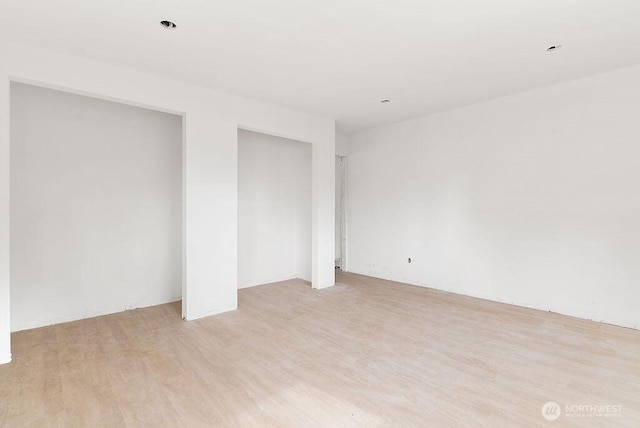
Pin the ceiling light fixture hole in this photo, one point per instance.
(168, 24)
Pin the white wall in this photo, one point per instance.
(340, 195)
(96, 201)
(341, 144)
(274, 209)
(340, 223)
(529, 199)
(5, 312)
(303, 204)
(210, 163)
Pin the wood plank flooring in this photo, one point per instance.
(365, 353)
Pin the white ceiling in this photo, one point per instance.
(339, 58)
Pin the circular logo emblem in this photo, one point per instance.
(551, 410)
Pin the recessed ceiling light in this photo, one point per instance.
(168, 24)
(385, 101)
(553, 48)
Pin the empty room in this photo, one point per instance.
(320, 214)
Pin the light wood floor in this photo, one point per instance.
(366, 352)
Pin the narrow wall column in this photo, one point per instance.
(323, 214)
(5, 327)
(210, 199)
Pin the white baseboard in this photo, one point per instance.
(205, 314)
(86, 315)
(5, 359)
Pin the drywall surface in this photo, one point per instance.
(341, 144)
(274, 209)
(529, 199)
(210, 167)
(96, 202)
(5, 309)
(303, 204)
(340, 195)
